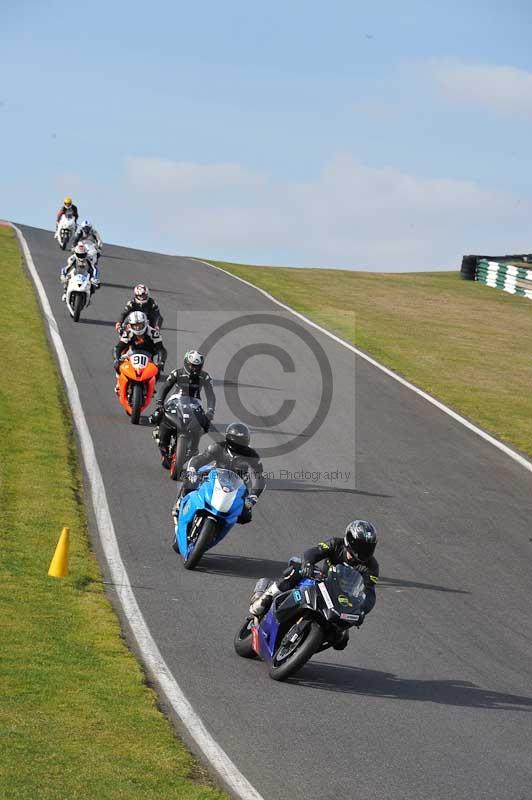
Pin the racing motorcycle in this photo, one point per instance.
(207, 514)
(136, 382)
(65, 229)
(184, 415)
(78, 292)
(306, 620)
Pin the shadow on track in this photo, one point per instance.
(239, 385)
(386, 685)
(111, 324)
(278, 485)
(388, 583)
(241, 566)
(129, 286)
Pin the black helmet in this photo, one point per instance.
(237, 434)
(360, 539)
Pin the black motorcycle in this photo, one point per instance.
(186, 417)
(306, 620)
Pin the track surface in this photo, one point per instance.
(433, 697)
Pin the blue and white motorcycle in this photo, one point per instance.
(207, 514)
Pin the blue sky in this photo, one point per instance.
(395, 136)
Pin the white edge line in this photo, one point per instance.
(151, 655)
(524, 462)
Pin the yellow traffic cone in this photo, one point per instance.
(59, 564)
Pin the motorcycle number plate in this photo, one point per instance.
(139, 360)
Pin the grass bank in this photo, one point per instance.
(77, 718)
(466, 344)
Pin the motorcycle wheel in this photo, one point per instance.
(208, 529)
(286, 661)
(242, 641)
(79, 302)
(63, 244)
(136, 403)
(178, 458)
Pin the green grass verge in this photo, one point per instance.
(77, 718)
(464, 343)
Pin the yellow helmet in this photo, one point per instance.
(67, 201)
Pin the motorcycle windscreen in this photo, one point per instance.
(225, 491)
(345, 589)
(182, 407)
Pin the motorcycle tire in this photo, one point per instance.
(178, 458)
(205, 537)
(242, 642)
(308, 645)
(136, 403)
(79, 302)
(63, 244)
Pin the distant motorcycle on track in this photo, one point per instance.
(136, 382)
(79, 290)
(65, 229)
(186, 418)
(207, 514)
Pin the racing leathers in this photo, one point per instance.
(67, 210)
(190, 384)
(150, 308)
(333, 551)
(243, 460)
(150, 342)
(92, 236)
(86, 264)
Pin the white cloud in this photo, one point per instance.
(502, 89)
(349, 216)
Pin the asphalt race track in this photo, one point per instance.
(433, 697)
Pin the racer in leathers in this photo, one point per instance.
(68, 206)
(190, 379)
(87, 232)
(233, 453)
(136, 334)
(355, 549)
(141, 301)
(79, 259)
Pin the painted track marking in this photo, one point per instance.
(215, 755)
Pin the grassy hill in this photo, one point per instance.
(464, 343)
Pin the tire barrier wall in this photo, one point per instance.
(512, 278)
(470, 263)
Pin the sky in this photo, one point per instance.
(383, 136)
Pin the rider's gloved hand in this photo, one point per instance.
(210, 414)
(307, 570)
(157, 414)
(118, 327)
(251, 500)
(192, 475)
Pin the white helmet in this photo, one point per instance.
(141, 293)
(193, 362)
(138, 322)
(85, 225)
(80, 251)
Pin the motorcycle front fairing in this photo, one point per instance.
(337, 600)
(182, 412)
(285, 610)
(220, 496)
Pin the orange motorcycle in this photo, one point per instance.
(136, 382)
